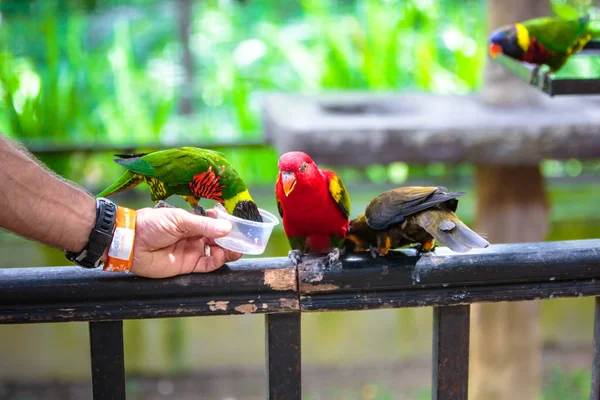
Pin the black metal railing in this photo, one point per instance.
(447, 281)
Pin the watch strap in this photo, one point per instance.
(100, 237)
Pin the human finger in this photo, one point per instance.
(212, 213)
(196, 225)
(214, 258)
(230, 255)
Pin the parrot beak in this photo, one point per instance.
(288, 179)
(495, 49)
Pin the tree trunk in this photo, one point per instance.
(505, 339)
(511, 207)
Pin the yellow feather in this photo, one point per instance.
(230, 203)
(335, 189)
(523, 37)
(581, 42)
(157, 187)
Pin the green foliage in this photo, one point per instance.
(99, 71)
(571, 9)
(239, 50)
(66, 93)
(41, 104)
(367, 44)
(567, 385)
(367, 391)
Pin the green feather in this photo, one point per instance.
(171, 171)
(557, 34)
(176, 167)
(126, 181)
(298, 243)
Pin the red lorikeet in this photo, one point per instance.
(314, 206)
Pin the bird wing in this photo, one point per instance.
(557, 34)
(395, 205)
(174, 166)
(338, 192)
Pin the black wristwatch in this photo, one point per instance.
(100, 238)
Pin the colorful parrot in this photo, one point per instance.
(403, 216)
(542, 41)
(314, 206)
(190, 172)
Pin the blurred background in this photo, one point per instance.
(82, 79)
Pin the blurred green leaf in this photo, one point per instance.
(571, 9)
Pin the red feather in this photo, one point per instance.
(536, 53)
(207, 185)
(309, 210)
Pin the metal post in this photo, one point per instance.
(451, 352)
(284, 366)
(108, 365)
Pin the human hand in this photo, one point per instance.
(171, 241)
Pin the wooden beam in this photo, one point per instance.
(360, 129)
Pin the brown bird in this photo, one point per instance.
(403, 216)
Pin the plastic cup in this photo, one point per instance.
(247, 237)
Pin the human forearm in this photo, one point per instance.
(39, 205)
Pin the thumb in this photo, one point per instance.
(197, 225)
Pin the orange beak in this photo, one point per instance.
(495, 49)
(288, 179)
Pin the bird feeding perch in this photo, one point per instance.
(556, 84)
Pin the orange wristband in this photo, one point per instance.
(120, 253)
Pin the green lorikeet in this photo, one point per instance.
(314, 206)
(190, 172)
(403, 216)
(542, 41)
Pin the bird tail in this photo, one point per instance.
(131, 155)
(450, 231)
(126, 181)
(591, 26)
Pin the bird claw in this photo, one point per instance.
(163, 204)
(295, 256)
(198, 209)
(374, 252)
(334, 256)
(422, 252)
(546, 79)
(534, 75)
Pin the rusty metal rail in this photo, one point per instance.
(447, 281)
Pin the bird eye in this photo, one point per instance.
(303, 167)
